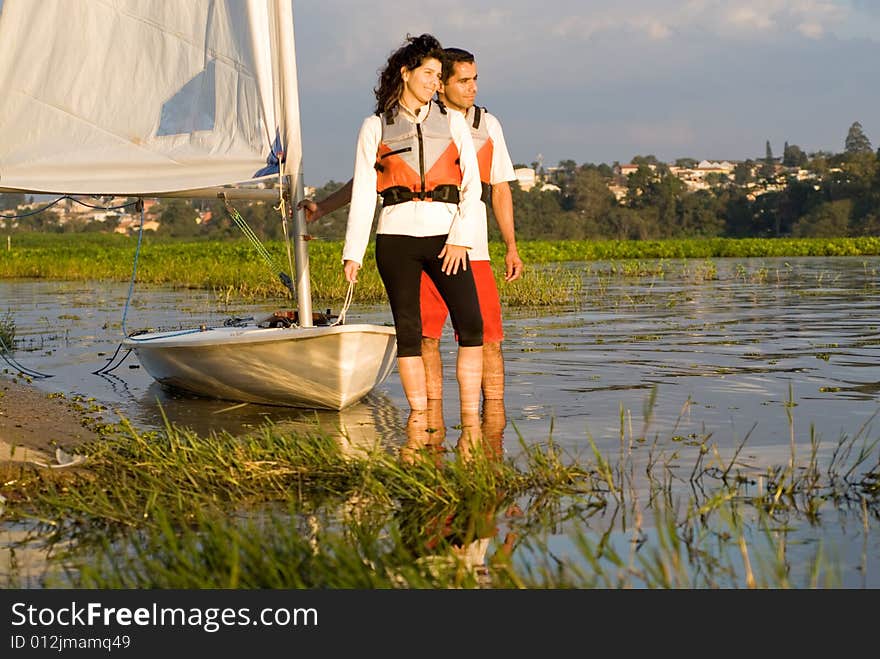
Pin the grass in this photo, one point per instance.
(172, 509)
(7, 332)
(233, 268)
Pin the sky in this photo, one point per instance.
(601, 82)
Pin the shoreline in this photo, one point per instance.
(33, 423)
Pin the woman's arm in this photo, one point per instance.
(363, 192)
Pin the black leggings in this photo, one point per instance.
(401, 260)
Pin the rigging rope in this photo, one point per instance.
(349, 295)
(282, 206)
(6, 350)
(261, 249)
(140, 207)
(60, 199)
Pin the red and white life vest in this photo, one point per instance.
(417, 161)
(484, 146)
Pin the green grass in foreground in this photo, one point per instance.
(172, 509)
(233, 267)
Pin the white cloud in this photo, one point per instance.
(811, 30)
(600, 81)
(748, 19)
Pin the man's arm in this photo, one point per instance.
(317, 209)
(502, 200)
(502, 206)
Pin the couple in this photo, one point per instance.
(435, 164)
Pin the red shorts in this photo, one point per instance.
(434, 311)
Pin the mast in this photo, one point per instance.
(292, 162)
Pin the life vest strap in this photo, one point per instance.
(477, 113)
(399, 194)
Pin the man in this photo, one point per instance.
(458, 92)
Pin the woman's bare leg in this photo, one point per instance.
(412, 377)
(469, 372)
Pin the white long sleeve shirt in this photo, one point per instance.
(500, 172)
(412, 218)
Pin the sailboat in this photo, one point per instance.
(195, 99)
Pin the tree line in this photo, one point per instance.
(763, 198)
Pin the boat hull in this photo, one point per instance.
(328, 367)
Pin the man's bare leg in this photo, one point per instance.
(433, 368)
(493, 371)
(488, 443)
(494, 422)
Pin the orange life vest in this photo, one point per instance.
(484, 146)
(417, 161)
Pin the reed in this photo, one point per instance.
(7, 332)
(234, 268)
(271, 509)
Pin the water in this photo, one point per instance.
(777, 352)
(724, 355)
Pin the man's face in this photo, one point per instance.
(460, 91)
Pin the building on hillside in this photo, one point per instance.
(630, 168)
(526, 178)
(129, 224)
(619, 191)
(706, 174)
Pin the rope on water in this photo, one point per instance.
(109, 366)
(6, 352)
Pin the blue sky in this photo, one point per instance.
(594, 81)
(601, 82)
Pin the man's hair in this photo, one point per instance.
(451, 57)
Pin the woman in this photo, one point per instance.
(421, 160)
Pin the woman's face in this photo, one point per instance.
(421, 83)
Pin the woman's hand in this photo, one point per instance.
(454, 257)
(351, 271)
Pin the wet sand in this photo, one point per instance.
(33, 424)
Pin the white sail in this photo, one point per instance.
(143, 97)
(152, 98)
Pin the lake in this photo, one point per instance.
(776, 353)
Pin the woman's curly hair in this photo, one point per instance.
(410, 55)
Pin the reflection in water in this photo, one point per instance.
(425, 434)
(371, 424)
(459, 528)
